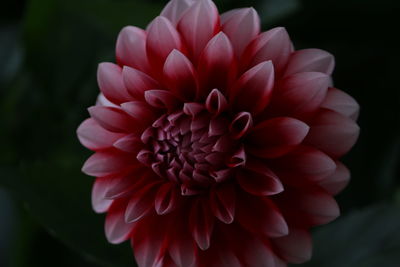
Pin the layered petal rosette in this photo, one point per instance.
(216, 144)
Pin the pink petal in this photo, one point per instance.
(216, 102)
(95, 137)
(268, 220)
(131, 48)
(129, 143)
(241, 28)
(332, 133)
(109, 78)
(296, 247)
(338, 180)
(117, 231)
(180, 76)
(106, 163)
(216, 64)
(223, 203)
(99, 203)
(141, 203)
(124, 183)
(161, 99)
(300, 94)
(166, 199)
(342, 103)
(103, 101)
(138, 82)
(260, 184)
(140, 111)
(162, 38)
(112, 119)
(274, 45)
(240, 125)
(253, 91)
(198, 25)
(310, 60)
(175, 9)
(276, 137)
(181, 248)
(192, 108)
(201, 223)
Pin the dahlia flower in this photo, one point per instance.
(216, 144)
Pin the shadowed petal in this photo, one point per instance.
(338, 180)
(201, 223)
(240, 125)
(223, 203)
(105, 163)
(138, 82)
(310, 60)
(260, 184)
(296, 247)
(216, 102)
(109, 78)
(342, 103)
(99, 203)
(166, 198)
(117, 230)
(161, 99)
(141, 203)
(130, 143)
(112, 119)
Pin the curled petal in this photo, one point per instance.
(260, 184)
(240, 125)
(216, 102)
(310, 60)
(296, 247)
(238, 158)
(198, 25)
(333, 133)
(241, 26)
(254, 89)
(138, 82)
(131, 48)
(117, 230)
(140, 203)
(216, 64)
(342, 103)
(105, 163)
(274, 45)
(276, 137)
(180, 75)
(166, 199)
(223, 203)
(338, 180)
(300, 94)
(95, 137)
(201, 223)
(161, 99)
(112, 119)
(109, 78)
(175, 9)
(162, 38)
(99, 202)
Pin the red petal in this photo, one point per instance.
(166, 199)
(274, 45)
(129, 143)
(112, 119)
(175, 9)
(223, 203)
(338, 180)
(201, 223)
(333, 133)
(95, 137)
(254, 89)
(138, 82)
(264, 183)
(161, 99)
(131, 48)
(124, 183)
(216, 64)
(181, 248)
(342, 103)
(141, 203)
(241, 27)
(109, 78)
(296, 247)
(117, 230)
(140, 111)
(310, 60)
(162, 38)
(300, 94)
(198, 25)
(276, 137)
(106, 163)
(180, 76)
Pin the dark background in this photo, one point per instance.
(49, 51)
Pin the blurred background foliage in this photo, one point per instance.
(49, 51)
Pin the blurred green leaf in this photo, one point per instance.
(365, 238)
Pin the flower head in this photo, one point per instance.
(216, 144)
